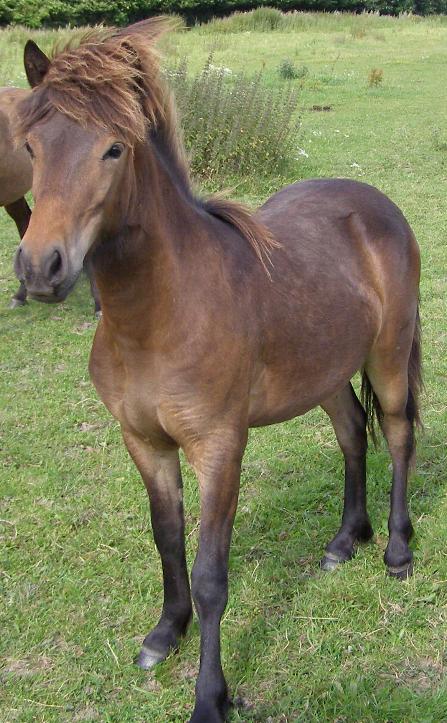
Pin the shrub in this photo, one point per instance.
(289, 71)
(234, 124)
(266, 19)
(389, 7)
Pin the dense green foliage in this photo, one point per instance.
(36, 13)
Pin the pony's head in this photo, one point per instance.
(91, 106)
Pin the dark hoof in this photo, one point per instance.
(148, 658)
(331, 562)
(402, 572)
(15, 303)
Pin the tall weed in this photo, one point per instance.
(234, 124)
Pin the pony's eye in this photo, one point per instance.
(114, 151)
(29, 149)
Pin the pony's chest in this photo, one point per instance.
(129, 388)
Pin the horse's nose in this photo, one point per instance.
(42, 272)
(54, 267)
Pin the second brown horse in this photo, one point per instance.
(16, 172)
(209, 325)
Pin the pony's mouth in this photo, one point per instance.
(56, 295)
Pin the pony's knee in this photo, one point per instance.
(209, 588)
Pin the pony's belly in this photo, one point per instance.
(281, 394)
(279, 403)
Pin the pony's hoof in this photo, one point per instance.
(148, 658)
(206, 717)
(331, 562)
(15, 303)
(210, 714)
(402, 572)
(98, 314)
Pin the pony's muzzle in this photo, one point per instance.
(44, 274)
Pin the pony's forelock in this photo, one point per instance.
(106, 77)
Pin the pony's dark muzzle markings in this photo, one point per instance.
(215, 321)
(45, 275)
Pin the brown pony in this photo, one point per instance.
(215, 321)
(16, 177)
(16, 173)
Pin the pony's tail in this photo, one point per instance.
(415, 379)
(370, 401)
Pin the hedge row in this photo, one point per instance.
(37, 13)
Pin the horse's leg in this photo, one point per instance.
(160, 471)
(88, 268)
(20, 212)
(219, 474)
(390, 384)
(394, 371)
(349, 421)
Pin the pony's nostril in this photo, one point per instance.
(54, 269)
(55, 264)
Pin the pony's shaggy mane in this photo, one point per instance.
(111, 78)
(106, 77)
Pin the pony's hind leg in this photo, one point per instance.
(391, 390)
(394, 375)
(20, 212)
(349, 421)
(160, 470)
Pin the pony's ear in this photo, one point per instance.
(36, 63)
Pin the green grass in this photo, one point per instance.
(80, 577)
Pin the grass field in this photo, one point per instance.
(80, 576)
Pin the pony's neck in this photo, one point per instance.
(136, 264)
(162, 179)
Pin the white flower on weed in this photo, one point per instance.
(355, 165)
(302, 152)
(220, 69)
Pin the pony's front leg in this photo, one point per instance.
(20, 212)
(219, 473)
(160, 470)
(88, 268)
